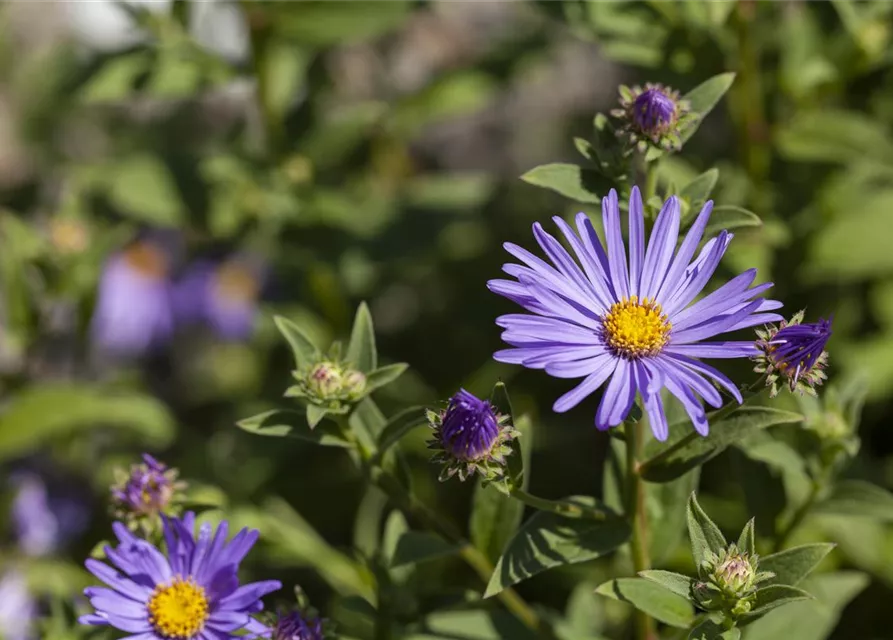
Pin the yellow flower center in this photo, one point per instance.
(635, 329)
(178, 610)
(147, 259)
(236, 282)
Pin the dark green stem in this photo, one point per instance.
(562, 508)
(638, 517)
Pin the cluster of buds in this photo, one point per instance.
(654, 116)
(302, 623)
(470, 437)
(793, 354)
(728, 582)
(329, 384)
(147, 491)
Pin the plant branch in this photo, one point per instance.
(562, 507)
(638, 517)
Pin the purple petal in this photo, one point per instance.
(249, 593)
(731, 293)
(597, 277)
(710, 372)
(618, 397)
(616, 251)
(713, 327)
(565, 264)
(686, 251)
(690, 402)
(594, 248)
(577, 368)
(649, 380)
(592, 382)
(661, 245)
(636, 240)
(730, 349)
(697, 275)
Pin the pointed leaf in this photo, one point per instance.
(293, 424)
(548, 540)
(746, 540)
(703, 98)
(315, 414)
(812, 619)
(361, 352)
(728, 217)
(792, 565)
(698, 191)
(675, 582)
(495, 517)
(384, 375)
(772, 597)
(712, 630)
(420, 546)
(499, 398)
(569, 180)
(684, 449)
(400, 425)
(858, 498)
(303, 349)
(652, 598)
(704, 534)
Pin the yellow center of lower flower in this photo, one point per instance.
(236, 282)
(147, 260)
(635, 329)
(178, 610)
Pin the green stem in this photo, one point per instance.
(468, 552)
(562, 508)
(797, 519)
(636, 512)
(259, 30)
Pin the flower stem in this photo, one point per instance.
(561, 507)
(638, 517)
(468, 552)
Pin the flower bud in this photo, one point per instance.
(794, 354)
(735, 574)
(470, 437)
(325, 380)
(147, 491)
(353, 384)
(297, 626)
(653, 115)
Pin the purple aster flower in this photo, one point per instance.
(795, 351)
(45, 517)
(223, 295)
(654, 110)
(133, 310)
(191, 592)
(147, 490)
(18, 608)
(297, 626)
(471, 437)
(632, 323)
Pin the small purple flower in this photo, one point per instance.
(133, 309)
(794, 351)
(147, 490)
(654, 110)
(191, 592)
(634, 324)
(470, 437)
(297, 626)
(18, 608)
(223, 295)
(45, 518)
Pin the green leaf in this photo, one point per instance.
(143, 188)
(495, 517)
(49, 411)
(303, 349)
(811, 619)
(704, 534)
(400, 425)
(772, 597)
(666, 502)
(569, 180)
(698, 191)
(858, 498)
(321, 23)
(115, 79)
(361, 352)
(516, 461)
(652, 598)
(547, 540)
(315, 414)
(746, 540)
(712, 630)
(793, 565)
(833, 135)
(675, 582)
(684, 449)
(420, 546)
(728, 217)
(703, 98)
(292, 424)
(384, 375)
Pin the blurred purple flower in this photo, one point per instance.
(148, 489)
(45, 518)
(224, 295)
(17, 607)
(297, 626)
(133, 310)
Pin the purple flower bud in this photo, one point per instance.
(654, 115)
(797, 348)
(469, 427)
(295, 626)
(133, 307)
(148, 490)
(654, 111)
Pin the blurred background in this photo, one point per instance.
(172, 174)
